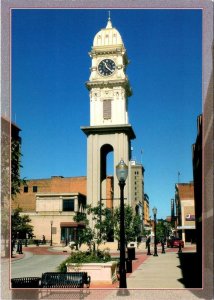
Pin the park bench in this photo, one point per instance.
(26, 282)
(65, 280)
(53, 280)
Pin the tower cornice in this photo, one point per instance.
(123, 128)
(110, 83)
(102, 51)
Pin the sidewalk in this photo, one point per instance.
(157, 272)
(148, 271)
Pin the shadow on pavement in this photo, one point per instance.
(191, 266)
(34, 294)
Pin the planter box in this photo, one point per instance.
(99, 272)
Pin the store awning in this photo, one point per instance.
(72, 224)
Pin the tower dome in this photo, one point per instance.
(108, 36)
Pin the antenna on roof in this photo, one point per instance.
(179, 176)
(109, 15)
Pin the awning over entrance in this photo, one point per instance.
(72, 224)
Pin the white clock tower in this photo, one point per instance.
(109, 129)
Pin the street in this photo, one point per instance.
(35, 265)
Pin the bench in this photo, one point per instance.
(65, 280)
(26, 282)
(53, 280)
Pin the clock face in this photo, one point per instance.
(106, 67)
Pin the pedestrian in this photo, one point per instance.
(162, 244)
(148, 240)
(20, 247)
(43, 239)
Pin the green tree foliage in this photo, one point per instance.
(20, 225)
(104, 223)
(86, 235)
(162, 230)
(15, 168)
(107, 225)
(132, 224)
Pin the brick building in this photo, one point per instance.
(185, 211)
(52, 204)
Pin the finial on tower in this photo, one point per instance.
(109, 24)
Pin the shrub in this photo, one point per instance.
(80, 257)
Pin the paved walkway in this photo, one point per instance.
(160, 271)
(148, 272)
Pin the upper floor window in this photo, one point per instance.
(25, 189)
(35, 189)
(68, 205)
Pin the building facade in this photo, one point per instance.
(185, 211)
(146, 215)
(52, 204)
(137, 188)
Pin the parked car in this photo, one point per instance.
(175, 242)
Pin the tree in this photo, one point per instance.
(15, 168)
(162, 230)
(85, 235)
(20, 226)
(107, 225)
(132, 224)
(104, 223)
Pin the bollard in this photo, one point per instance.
(180, 250)
(128, 265)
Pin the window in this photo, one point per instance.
(25, 189)
(107, 109)
(68, 205)
(35, 188)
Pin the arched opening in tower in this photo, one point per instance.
(107, 175)
(107, 181)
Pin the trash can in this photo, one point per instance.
(128, 265)
(131, 253)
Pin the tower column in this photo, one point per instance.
(109, 130)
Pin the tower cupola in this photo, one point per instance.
(108, 36)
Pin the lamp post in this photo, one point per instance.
(51, 233)
(154, 210)
(122, 173)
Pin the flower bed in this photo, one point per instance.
(99, 272)
(99, 265)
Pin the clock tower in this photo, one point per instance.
(109, 129)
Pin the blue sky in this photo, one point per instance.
(50, 65)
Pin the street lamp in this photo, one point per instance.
(51, 232)
(154, 210)
(122, 173)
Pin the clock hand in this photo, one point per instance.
(107, 66)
